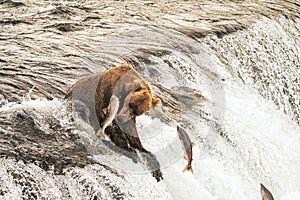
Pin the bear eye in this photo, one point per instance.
(138, 88)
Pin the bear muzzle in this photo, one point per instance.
(124, 115)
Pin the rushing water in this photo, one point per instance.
(245, 125)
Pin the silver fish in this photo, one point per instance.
(265, 193)
(112, 110)
(187, 147)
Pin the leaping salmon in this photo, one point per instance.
(112, 110)
(265, 193)
(187, 147)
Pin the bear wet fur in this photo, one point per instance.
(134, 93)
(91, 96)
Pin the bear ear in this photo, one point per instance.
(155, 102)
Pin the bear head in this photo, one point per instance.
(137, 101)
(135, 95)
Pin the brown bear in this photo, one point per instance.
(92, 96)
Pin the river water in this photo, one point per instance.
(245, 125)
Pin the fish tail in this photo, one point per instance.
(188, 168)
(100, 132)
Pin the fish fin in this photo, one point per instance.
(102, 134)
(188, 168)
(193, 144)
(185, 157)
(105, 110)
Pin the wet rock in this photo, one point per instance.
(60, 10)
(13, 21)
(65, 27)
(23, 138)
(22, 115)
(12, 3)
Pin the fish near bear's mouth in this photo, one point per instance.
(126, 113)
(123, 118)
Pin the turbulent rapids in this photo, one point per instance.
(226, 71)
